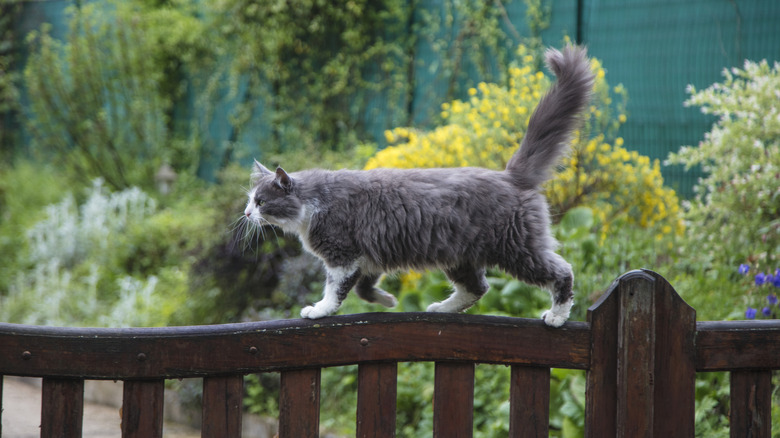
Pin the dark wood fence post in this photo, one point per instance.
(751, 403)
(453, 400)
(642, 376)
(377, 398)
(222, 406)
(142, 408)
(529, 406)
(299, 403)
(62, 407)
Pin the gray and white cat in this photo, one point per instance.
(362, 224)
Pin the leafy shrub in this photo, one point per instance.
(735, 215)
(24, 189)
(72, 280)
(103, 98)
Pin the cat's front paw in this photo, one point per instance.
(315, 312)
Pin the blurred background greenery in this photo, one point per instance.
(100, 100)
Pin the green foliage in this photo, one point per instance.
(314, 72)
(111, 258)
(101, 101)
(71, 280)
(712, 405)
(24, 189)
(735, 216)
(9, 78)
(312, 64)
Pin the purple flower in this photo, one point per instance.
(743, 269)
(772, 299)
(750, 313)
(766, 311)
(760, 279)
(776, 282)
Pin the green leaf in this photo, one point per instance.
(579, 218)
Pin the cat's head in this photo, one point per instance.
(273, 199)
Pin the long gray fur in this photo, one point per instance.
(460, 220)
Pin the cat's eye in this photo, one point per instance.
(259, 202)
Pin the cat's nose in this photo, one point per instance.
(248, 213)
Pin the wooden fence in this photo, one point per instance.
(641, 347)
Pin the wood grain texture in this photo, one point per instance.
(737, 345)
(642, 376)
(299, 404)
(529, 402)
(62, 408)
(177, 352)
(751, 404)
(453, 400)
(223, 402)
(142, 408)
(377, 398)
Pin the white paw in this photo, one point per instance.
(440, 308)
(316, 311)
(553, 319)
(385, 299)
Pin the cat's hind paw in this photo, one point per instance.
(438, 307)
(558, 314)
(552, 319)
(316, 312)
(384, 298)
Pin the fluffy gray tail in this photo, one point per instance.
(555, 118)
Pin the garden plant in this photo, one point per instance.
(87, 239)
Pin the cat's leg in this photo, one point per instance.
(562, 300)
(367, 290)
(470, 284)
(555, 274)
(338, 282)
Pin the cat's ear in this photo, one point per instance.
(259, 171)
(283, 180)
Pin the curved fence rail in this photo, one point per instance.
(641, 348)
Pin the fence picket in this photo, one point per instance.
(142, 408)
(529, 402)
(453, 400)
(222, 406)
(377, 396)
(62, 408)
(299, 403)
(1, 404)
(751, 404)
